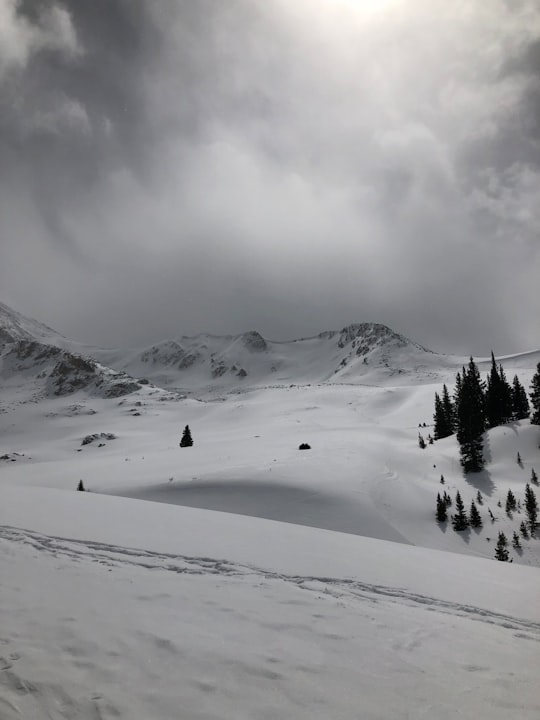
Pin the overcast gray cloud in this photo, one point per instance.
(173, 167)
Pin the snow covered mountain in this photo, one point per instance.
(36, 359)
(367, 353)
(15, 327)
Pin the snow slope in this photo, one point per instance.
(140, 614)
(15, 327)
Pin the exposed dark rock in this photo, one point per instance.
(254, 341)
(98, 436)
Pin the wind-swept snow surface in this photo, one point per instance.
(250, 619)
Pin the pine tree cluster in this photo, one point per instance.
(479, 405)
(461, 521)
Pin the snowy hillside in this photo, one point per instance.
(242, 577)
(15, 327)
(37, 362)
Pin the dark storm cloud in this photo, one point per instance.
(205, 166)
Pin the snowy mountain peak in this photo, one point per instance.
(365, 336)
(15, 327)
(254, 341)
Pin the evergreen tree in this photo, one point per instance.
(498, 398)
(518, 459)
(441, 513)
(506, 397)
(511, 503)
(448, 409)
(442, 479)
(531, 508)
(515, 541)
(492, 400)
(80, 486)
(457, 395)
(520, 401)
(479, 498)
(187, 440)
(534, 477)
(459, 520)
(421, 442)
(442, 420)
(523, 530)
(470, 417)
(447, 499)
(501, 551)
(475, 519)
(535, 397)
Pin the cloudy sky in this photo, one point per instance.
(176, 166)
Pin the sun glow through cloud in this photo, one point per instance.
(368, 7)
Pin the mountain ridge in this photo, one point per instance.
(367, 353)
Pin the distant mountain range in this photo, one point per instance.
(367, 353)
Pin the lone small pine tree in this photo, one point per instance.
(421, 442)
(523, 530)
(80, 486)
(515, 541)
(534, 477)
(187, 440)
(479, 498)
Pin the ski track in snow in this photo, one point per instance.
(115, 556)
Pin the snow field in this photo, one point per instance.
(236, 617)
